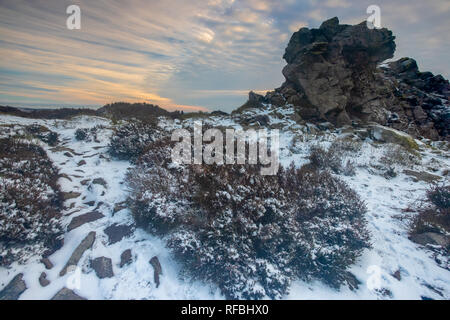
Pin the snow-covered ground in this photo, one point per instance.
(387, 223)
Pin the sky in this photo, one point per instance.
(189, 55)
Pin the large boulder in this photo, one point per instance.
(335, 74)
(334, 67)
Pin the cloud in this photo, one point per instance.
(191, 54)
(337, 4)
(297, 25)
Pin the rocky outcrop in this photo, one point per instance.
(333, 75)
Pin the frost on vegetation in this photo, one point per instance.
(130, 139)
(249, 234)
(29, 201)
(88, 134)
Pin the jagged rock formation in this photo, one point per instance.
(332, 75)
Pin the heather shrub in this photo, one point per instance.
(434, 213)
(250, 234)
(87, 134)
(130, 139)
(29, 201)
(43, 133)
(333, 157)
(399, 155)
(81, 134)
(326, 159)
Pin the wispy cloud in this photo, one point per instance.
(186, 54)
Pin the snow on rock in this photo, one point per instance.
(394, 268)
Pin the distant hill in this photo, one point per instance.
(124, 110)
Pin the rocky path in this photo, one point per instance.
(105, 257)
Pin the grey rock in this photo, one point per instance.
(117, 232)
(119, 206)
(14, 289)
(47, 263)
(422, 176)
(102, 267)
(397, 275)
(430, 238)
(67, 294)
(43, 281)
(70, 195)
(125, 258)
(84, 218)
(100, 181)
(157, 269)
(85, 244)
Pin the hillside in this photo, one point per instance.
(93, 207)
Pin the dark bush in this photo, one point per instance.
(87, 135)
(81, 134)
(248, 233)
(43, 133)
(326, 159)
(434, 214)
(30, 201)
(130, 139)
(439, 196)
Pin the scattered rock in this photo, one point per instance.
(47, 263)
(68, 154)
(67, 294)
(81, 163)
(66, 176)
(14, 289)
(397, 275)
(78, 253)
(83, 219)
(385, 292)
(119, 206)
(102, 267)
(157, 269)
(125, 258)
(117, 232)
(99, 205)
(91, 156)
(100, 181)
(389, 135)
(90, 203)
(422, 176)
(70, 195)
(85, 182)
(430, 238)
(43, 279)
